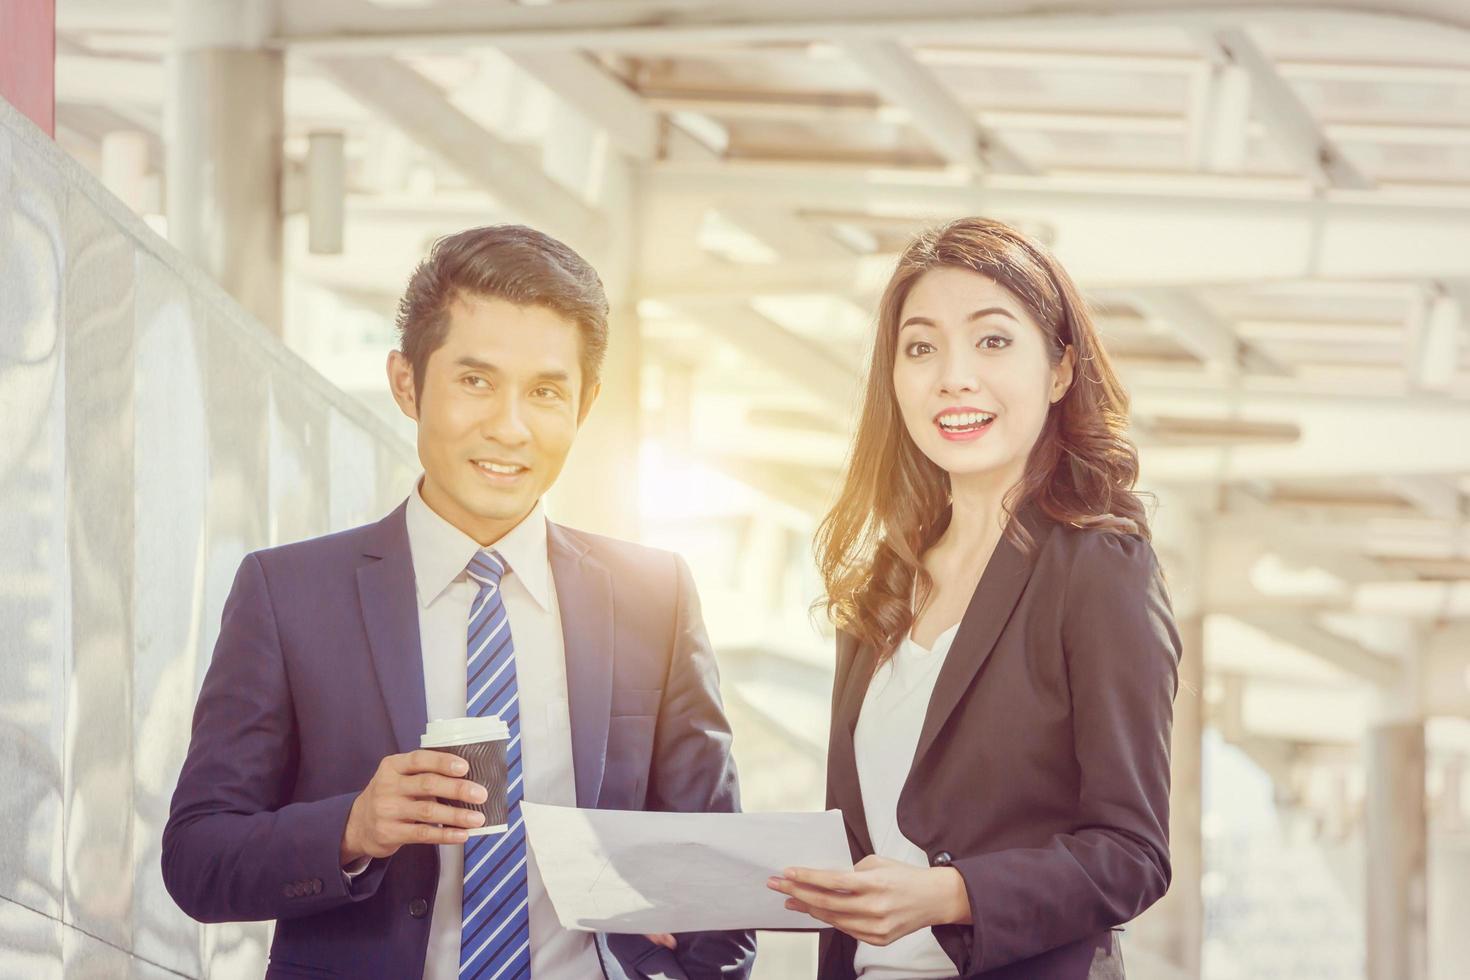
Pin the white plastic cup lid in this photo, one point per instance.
(463, 731)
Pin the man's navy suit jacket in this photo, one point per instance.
(317, 675)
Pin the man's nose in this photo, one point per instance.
(505, 423)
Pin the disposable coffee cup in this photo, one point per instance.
(481, 742)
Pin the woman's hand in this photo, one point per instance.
(880, 900)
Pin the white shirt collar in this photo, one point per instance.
(441, 551)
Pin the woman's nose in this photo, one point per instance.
(959, 375)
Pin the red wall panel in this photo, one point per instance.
(28, 59)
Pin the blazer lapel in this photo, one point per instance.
(854, 674)
(995, 598)
(390, 614)
(584, 594)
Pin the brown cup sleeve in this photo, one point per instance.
(488, 768)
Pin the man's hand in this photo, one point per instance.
(401, 805)
(880, 900)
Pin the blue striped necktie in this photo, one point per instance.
(495, 931)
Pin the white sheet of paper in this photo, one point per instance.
(629, 871)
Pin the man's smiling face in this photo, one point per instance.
(497, 412)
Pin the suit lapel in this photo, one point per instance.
(390, 614)
(990, 608)
(584, 595)
(855, 663)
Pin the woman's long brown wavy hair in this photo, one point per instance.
(895, 501)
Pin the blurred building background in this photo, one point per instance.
(205, 229)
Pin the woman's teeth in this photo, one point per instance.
(961, 421)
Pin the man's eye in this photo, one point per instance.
(475, 381)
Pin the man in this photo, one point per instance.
(304, 798)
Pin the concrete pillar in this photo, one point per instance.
(224, 130)
(1452, 796)
(1173, 929)
(599, 487)
(326, 192)
(1186, 839)
(676, 420)
(125, 167)
(1397, 838)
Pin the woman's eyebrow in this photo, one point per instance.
(988, 311)
(924, 321)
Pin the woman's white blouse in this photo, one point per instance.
(885, 739)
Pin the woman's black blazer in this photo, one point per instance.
(1042, 769)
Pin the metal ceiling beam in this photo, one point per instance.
(1308, 636)
(653, 24)
(1334, 430)
(933, 110)
(1446, 663)
(107, 16)
(109, 79)
(602, 100)
(424, 113)
(1202, 332)
(1436, 498)
(1220, 118)
(713, 282)
(1437, 323)
(1254, 528)
(94, 121)
(744, 104)
(1061, 57)
(799, 361)
(796, 487)
(1326, 534)
(1287, 118)
(1335, 441)
(790, 235)
(1253, 234)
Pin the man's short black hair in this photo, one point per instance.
(511, 262)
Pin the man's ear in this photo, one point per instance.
(1063, 374)
(588, 398)
(400, 383)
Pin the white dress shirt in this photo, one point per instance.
(440, 553)
(884, 742)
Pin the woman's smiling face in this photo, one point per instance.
(973, 376)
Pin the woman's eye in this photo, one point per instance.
(918, 348)
(995, 342)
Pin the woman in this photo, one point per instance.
(1006, 653)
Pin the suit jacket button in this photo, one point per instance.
(943, 859)
(418, 908)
